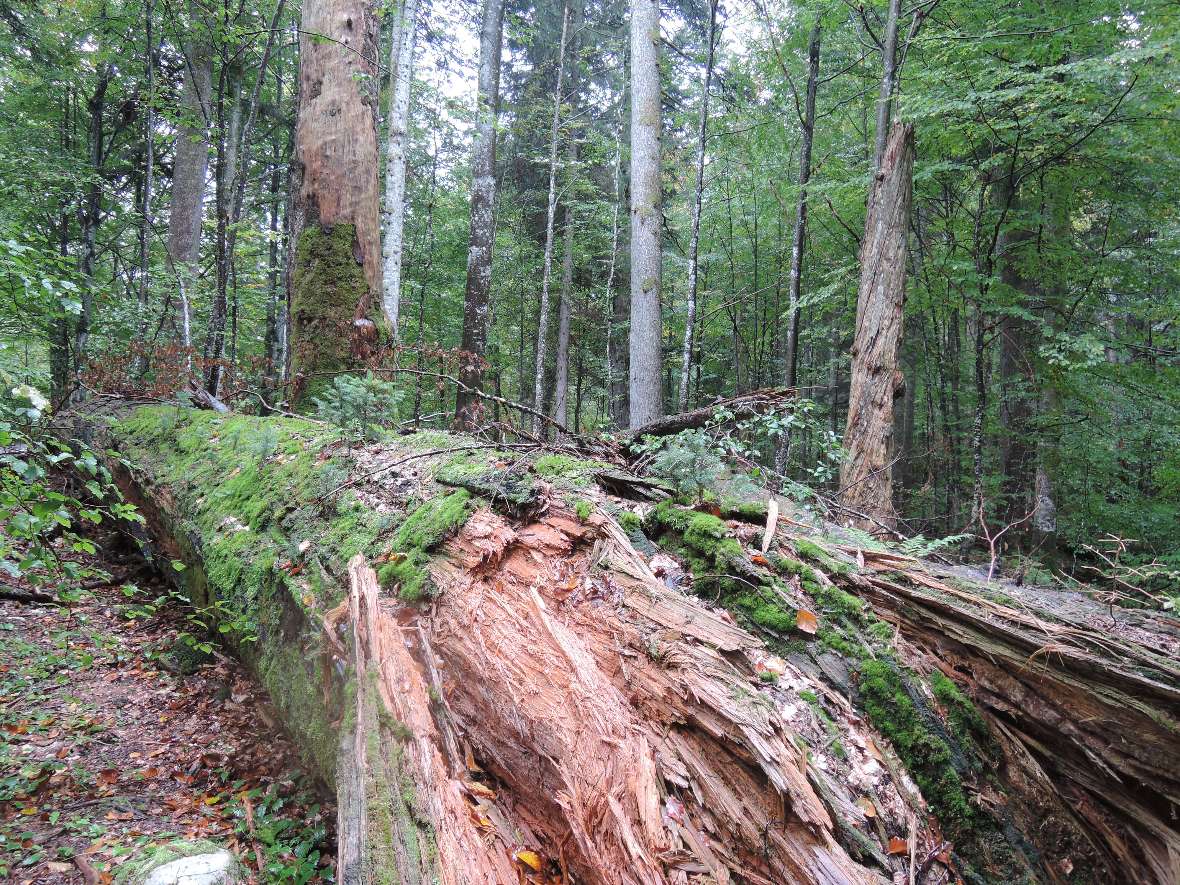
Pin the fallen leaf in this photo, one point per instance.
(108, 776)
(806, 622)
(866, 805)
(759, 559)
(530, 859)
(898, 845)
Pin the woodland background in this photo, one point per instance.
(1041, 346)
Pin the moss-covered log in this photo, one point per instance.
(528, 694)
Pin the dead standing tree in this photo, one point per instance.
(866, 479)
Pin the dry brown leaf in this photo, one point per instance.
(866, 805)
(530, 859)
(806, 622)
(898, 845)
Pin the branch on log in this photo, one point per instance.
(748, 405)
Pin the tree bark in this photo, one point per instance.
(190, 168)
(646, 334)
(615, 309)
(335, 279)
(550, 217)
(401, 63)
(888, 83)
(694, 245)
(866, 477)
(477, 297)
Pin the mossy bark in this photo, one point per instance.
(334, 325)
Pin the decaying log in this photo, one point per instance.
(525, 696)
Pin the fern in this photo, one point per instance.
(920, 547)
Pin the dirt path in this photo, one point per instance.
(104, 749)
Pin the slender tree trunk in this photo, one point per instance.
(866, 478)
(1018, 450)
(402, 64)
(616, 367)
(477, 298)
(791, 339)
(561, 369)
(90, 213)
(273, 271)
(694, 245)
(564, 306)
(335, 279)
(189, 171)
(424, 282)
(234, 138)
(888, 82)
(550, 217)
(800, 233)
(646, 336)
(149, 164)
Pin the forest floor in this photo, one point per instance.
(106, 748)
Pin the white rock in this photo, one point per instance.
(216, 868)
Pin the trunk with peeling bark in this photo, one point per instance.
(866, 478)
(335, 240)
(519, 694)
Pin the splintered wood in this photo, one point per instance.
(611, 736)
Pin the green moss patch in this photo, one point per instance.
(427, 526)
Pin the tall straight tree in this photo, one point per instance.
(550, 217)
(401, 62)
(477, 298)
(190, 167)
(800, 231)
(561, 371)
(646, 337)
(866, 477)
(694, 246)
(335, 277)
(791, 339)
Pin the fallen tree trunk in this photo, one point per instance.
(522, 693)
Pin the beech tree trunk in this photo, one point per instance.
(694, 245)
(401, 62)
(335, 278)
(190, 168)
(645, 372)
(866, 477)
(477, 298)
